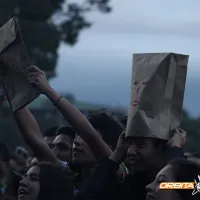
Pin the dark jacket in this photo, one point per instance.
(102, 184)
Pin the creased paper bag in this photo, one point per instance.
(157, 92)
(14, 62)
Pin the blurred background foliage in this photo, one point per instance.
(45, 24)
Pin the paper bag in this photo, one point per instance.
(14, 62)
(157, 92)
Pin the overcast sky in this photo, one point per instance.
(98, 68)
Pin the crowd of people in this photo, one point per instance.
(92, 159)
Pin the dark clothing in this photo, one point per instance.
(102, 183)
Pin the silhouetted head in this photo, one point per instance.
(107, 127)
(50, 134)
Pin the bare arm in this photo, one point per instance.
(80, 124)
(33, 137)
(77, 120)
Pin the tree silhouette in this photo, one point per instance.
(46, 23)
(192, 127)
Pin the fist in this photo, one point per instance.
(123, 142)
(178, 139)
(120, 151)
(37, 78)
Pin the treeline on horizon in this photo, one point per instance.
(10, 134)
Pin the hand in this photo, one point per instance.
(121, 149)
(178, 139)
(122, 143)
(38, 79)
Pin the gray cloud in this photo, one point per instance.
(155, 17)
(98, 68)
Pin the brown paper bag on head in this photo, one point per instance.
(157, 92)
(14, 62)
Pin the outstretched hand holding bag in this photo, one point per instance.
(14, 62)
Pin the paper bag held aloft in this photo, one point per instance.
(157, 92)
(14, 62)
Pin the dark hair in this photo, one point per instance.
(123, 121)
(54, 183)
(66, 130)
(4, 153)
(108, 127)
(50, 132)
(185, 171)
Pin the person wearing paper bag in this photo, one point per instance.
(157, 86)
(102, 184)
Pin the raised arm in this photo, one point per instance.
(73, 116)
(31, 133)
